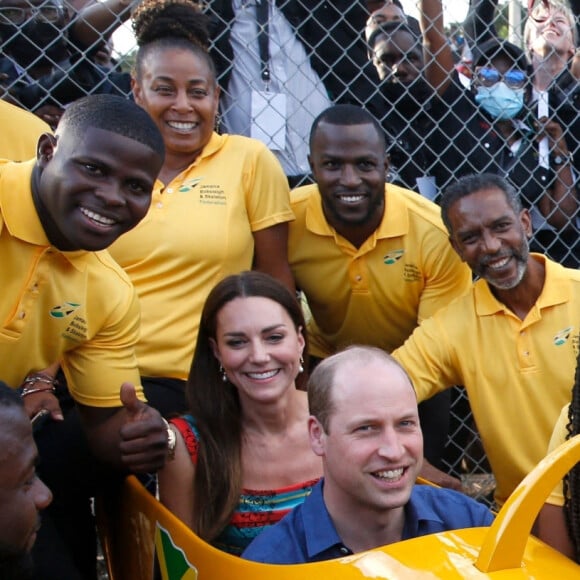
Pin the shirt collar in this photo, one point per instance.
(417, 517)
(215, 143)
(19, 212)
(320, 533)
(556, 290)
(395, 220)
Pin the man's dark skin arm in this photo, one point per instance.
(132, 437)
(479, 22)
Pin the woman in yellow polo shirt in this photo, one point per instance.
(220, 205)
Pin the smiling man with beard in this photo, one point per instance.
(512, 340)
(364, 425)
(22, 493)
(371, 258)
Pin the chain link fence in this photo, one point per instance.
(279, 70)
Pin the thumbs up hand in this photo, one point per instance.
(143, 434)
(133, 406)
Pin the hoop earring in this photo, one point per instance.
(223, 373)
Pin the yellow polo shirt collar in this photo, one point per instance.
(395, 222)
(19, 213)
(557, 292)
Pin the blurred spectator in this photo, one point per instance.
(412, 64)
(47, 54)
(492, 130)
(282, 62)
(552, 125)
(388, 12)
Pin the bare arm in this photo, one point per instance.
(132, 437)
(560, 204)
(439, 63)
(99, 19)
(271, 253)
(551, 528)
(176, 480)
(438, 477)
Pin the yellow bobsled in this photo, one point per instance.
(137, 529)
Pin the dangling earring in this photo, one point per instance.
(223, 373)
(301, 367)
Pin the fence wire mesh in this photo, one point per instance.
(317, 55)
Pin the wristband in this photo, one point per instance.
(31, 390)
(28, 383)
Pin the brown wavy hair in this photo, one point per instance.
(215, 404)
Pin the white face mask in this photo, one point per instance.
(500, 101)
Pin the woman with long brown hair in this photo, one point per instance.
(243, 457)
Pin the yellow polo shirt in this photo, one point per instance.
(75, 307)
(198, 230)
(518, 373)
(20, 132)
(376, 294)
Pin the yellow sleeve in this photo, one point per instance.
(267, 193)
(428, 356)
(447, 278)
(97, 368)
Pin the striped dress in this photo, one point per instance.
(256, 509)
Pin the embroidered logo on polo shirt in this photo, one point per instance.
(412, 273)
(63, 310)
(562, 337)
(212, 195)
(393, 257)
(189, 184)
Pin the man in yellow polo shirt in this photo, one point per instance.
(372, 259)
(63, 300)
(512, 340)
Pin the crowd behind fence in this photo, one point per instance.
(280, 68)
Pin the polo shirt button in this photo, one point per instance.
(159, 204)
(358, 278)
(22, 315)
(486, 145)
(543, 178)
(526, 353)
(169, 190)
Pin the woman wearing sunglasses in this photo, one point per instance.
(492, 128)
